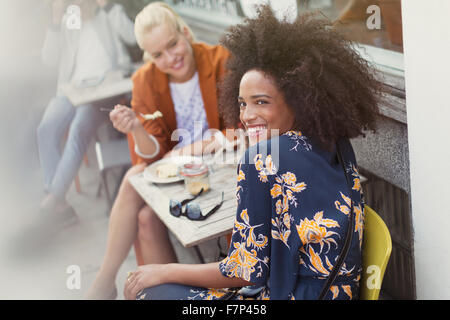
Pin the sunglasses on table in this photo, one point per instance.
(192, 210)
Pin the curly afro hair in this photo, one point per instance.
(330, 88)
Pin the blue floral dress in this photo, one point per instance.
(291, 223)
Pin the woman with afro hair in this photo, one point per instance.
(301, 92)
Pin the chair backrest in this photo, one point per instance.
(377, 247)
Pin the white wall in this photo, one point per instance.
(426, 32)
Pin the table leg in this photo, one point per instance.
(199, 254)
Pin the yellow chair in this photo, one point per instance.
(377, 247)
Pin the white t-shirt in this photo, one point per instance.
(190, 111)
(192, 124)
(92, 60)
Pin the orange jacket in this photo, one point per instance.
(151, 92)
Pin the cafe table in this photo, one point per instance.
(192, 233)
(114, 85)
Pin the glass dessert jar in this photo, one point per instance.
(196, 177)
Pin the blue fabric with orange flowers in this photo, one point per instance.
(293, 204)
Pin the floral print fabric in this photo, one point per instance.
(292, 220)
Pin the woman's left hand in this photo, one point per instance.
(149, 275)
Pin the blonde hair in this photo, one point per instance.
(156, 14)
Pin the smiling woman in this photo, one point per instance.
(263, 110)
(166, 41)
(171, 52)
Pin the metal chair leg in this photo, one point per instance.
(86, 160)
(105, 187)
(99, 189)
(77, 184)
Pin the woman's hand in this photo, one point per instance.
(124, 119)
(149, 275)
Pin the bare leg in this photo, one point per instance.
(122, 233)
(154, 238)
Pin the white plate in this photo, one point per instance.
(151, 175)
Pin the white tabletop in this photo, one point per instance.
(188, 232)
(113, 85)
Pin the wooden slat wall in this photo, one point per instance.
(393, 205)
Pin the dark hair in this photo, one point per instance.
(330, 88)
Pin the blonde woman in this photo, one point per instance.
(180, 81)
